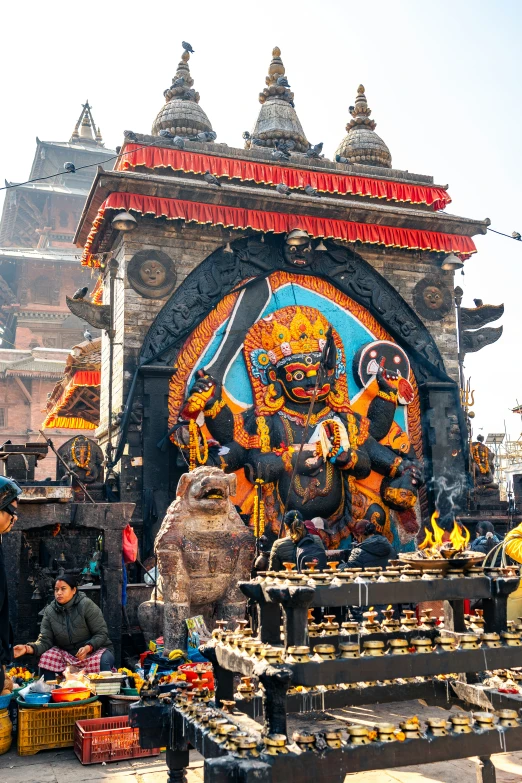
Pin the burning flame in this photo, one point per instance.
(434, 541)
(388, 607)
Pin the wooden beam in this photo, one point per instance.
(24, 389)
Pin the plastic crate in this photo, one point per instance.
(108, 739)
(48, 727)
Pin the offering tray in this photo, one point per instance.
(464, 561)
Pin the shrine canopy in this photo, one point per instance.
(74, 403)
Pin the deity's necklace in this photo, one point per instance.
(300, 418)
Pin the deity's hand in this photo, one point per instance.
(415, 473)
(204, 393)
(306, 465)
(382, 382)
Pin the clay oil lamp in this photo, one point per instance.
(389, 623)
(310, 616)
(369, 624)
(304, 741)
(217, 633)
(273, 655)
(330, 627)
(438, 727)
(350, 627)
(241, 625)
(228, 707)
(325, 651)
(349, 650)
(246, 689)
(511, 638)
(461, 724)
(215, 722)
(246, 747)
(491, 639)
(222, 731)
(484, 720)
(475, 571)
(426, 618)
(314, 631)
(374, 649)
(390, 575)
(446, 643)
(455, 573)
(333, 565)
(385, 732)
(431, 574)
(399, 646)
(354, 571)
(297, 654)
(359, 735)
(422, 645)
(333, 739)
(408, 620)
(507, 718)
(275, 744)
(469, 641)
(252, 646)
(411, 728)
(233, 740)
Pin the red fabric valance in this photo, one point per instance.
(81, 378)
(278, 222)
(324, 181)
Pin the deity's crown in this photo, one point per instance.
(292, 330)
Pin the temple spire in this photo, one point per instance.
(85, 131)
(277, 120)
(362, 144)
(181, 114)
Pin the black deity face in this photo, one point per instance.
(298, 250)
(298, 375)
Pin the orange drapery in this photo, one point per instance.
(80, 378)
(325, 181)
(279, 222)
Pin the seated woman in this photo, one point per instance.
(73, 632)
(372, 549)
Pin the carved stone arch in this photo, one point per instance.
(222, 272)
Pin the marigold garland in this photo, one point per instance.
(77, 461)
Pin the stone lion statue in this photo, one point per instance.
(203, 550)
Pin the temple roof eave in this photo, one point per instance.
(267, 199)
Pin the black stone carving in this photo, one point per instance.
(152, 274)
(432, 299)
(223, 271)
(476, 317)
(470, 342)
(98, 316)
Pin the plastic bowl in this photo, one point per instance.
(38, 698)
(70, 694)
(4, 701)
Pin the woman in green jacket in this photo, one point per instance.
(73, 633)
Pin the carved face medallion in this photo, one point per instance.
(432, 299)
(152, 274)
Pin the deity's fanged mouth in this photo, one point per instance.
(308, 393)
(214, 494)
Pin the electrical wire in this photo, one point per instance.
(77, 168)
(509, 236)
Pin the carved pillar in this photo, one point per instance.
(446, 460)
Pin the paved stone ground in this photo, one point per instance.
(62, 766)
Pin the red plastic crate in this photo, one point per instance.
(108, 739)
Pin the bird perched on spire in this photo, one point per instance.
(314, 151)
(211, 179)
(69, 168)
(187, 47)
(282, 81)
(478, 302)
(81, 293)
(166, 134)
(130, 135)
(87, 335)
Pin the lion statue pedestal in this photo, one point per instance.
(203, 550)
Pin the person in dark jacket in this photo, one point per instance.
(9, 492)
(73, 632)
(283, 550)
(486, 538)
(308, 549)
(372, 550)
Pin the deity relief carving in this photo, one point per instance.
(152, 274)
(432, 299)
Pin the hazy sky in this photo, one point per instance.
(442, 80)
